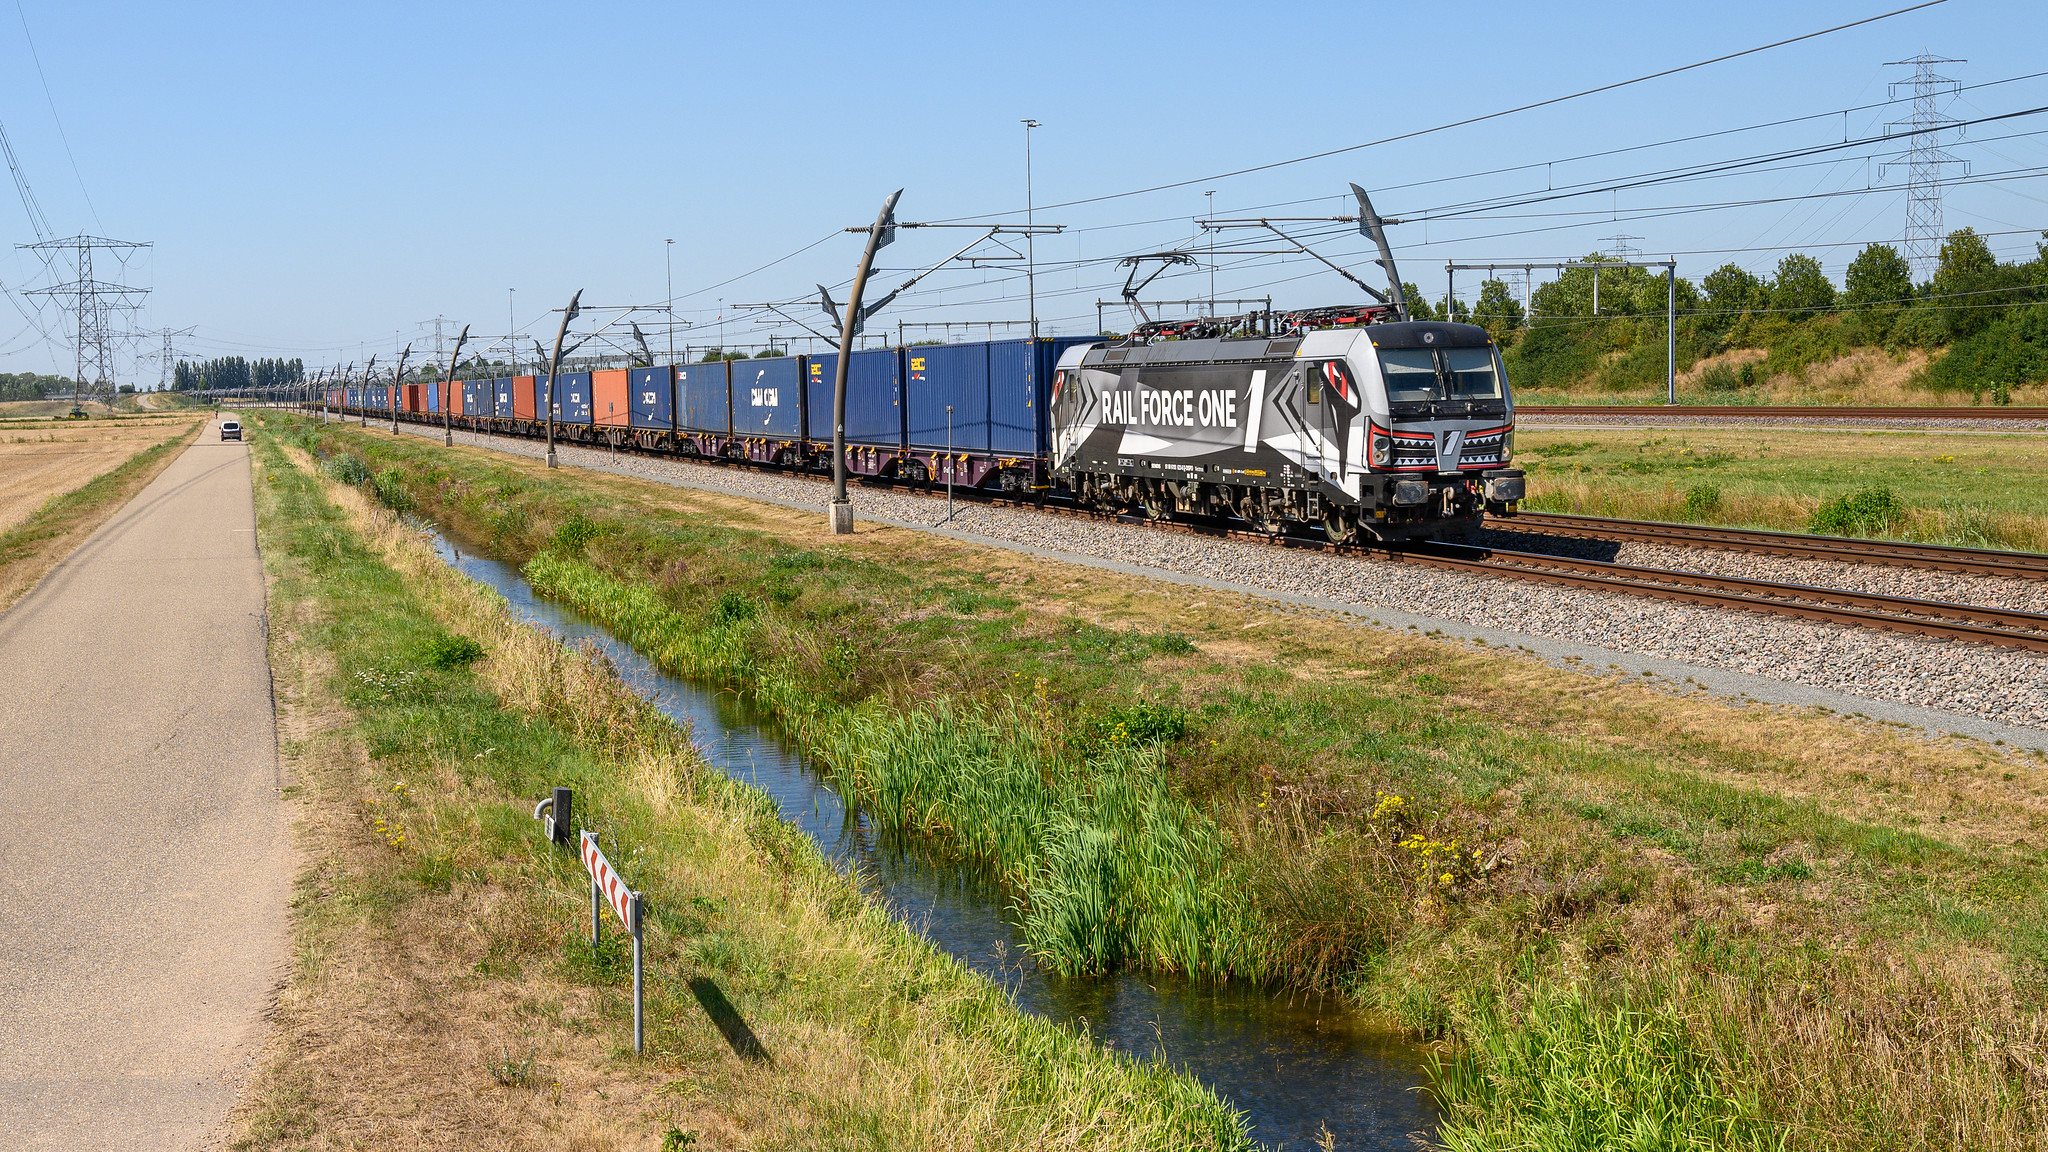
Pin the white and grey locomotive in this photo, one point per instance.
(1390, 429)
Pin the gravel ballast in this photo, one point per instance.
(1938, 685)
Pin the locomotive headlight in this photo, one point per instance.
(1382, 451)
(1507, 446)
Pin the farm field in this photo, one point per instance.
(1759, 925)
(43, 459)
(1982, 490)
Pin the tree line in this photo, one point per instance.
(237, 372)
(1990, 317)
(31, 386)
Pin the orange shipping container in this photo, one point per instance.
(452, 397)
(522, 398)
(611, 399)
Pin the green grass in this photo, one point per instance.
(788, 938)
(1977, 490)
(1351, 820)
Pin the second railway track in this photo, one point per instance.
(1843, 549)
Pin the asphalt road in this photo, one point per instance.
(145, 868)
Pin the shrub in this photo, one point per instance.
(575, 532)
(1140, 725)
(391, 490)
(733, 608)
(1720, 378)
(1702, 500)
(445, 652)
(1864, 512)
(347, 468)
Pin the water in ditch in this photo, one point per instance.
(1296, 1068)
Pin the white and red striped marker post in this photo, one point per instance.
(605, 884)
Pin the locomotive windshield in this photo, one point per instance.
(1421, 374)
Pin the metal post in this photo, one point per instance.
(1450, 294)
(1030, 234)
(587, 837)
(669, 264)
(563, 805)
(398, 382)
(555, 367)
(639, 999)
(1671, 333)
(849, 324)
(448, 441)
(949, 462)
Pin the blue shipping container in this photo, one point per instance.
(767, 397)
(874, 397)
(476, 398)
(572, 398)
(704, 398)
(938, 376)
(654, 397)
(1020, 392)
(434, 396)
(501, 397)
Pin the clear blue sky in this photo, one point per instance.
(317, 179)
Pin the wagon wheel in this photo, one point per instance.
(1340, 525)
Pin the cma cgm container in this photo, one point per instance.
(767, 397)
(523, 396)
(1020, 390)
(432, 397)
(654, 397)
(572, 398)
(501, 397)
(476, 398)
(704, 397)
(611, 399)
(874, 397)
(940, 375)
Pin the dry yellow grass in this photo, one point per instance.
(38, 461)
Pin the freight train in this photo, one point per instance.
(1351, 419)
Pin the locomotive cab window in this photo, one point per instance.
(1315, 383)
(1470, 373)
(1410, 374)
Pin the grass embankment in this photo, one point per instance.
(444, 993)
(33, 546)
(1626, 912)
(1983, 491)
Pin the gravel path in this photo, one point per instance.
(2000, 685)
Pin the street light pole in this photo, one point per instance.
(448, 396)
(1030, 234)
(879, 233)
(555, 366)
(668, 303)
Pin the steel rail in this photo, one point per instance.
(1933, 618)
(1901, 412)
(1845, 549)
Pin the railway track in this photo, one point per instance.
(1842, 549)
(1998, 627)
(1940, 620)
(1892, 412)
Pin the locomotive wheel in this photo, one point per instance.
(1340, 525)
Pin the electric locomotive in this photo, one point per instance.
(1386, 428)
